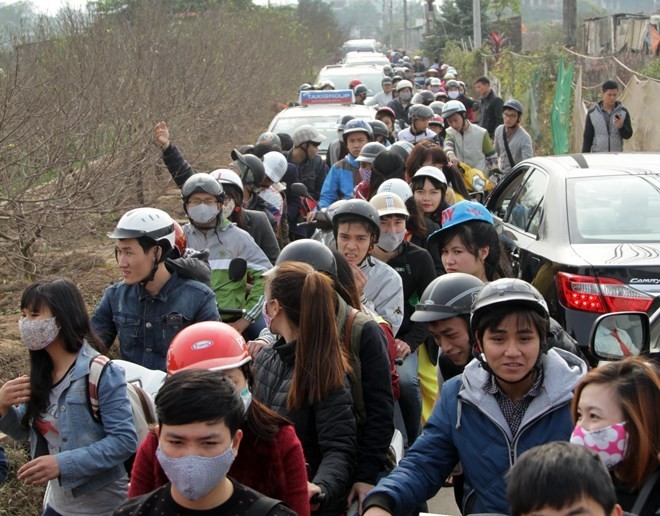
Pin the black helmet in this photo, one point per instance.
(513, 104)
(379, 128)
(202, 183)
(507, 290)
(251, 168)
(447, 296)
(424, 97)
(357, 208)
(361, 89)
(343, 120)
(311, 252)
(402, 148)
(420, 111)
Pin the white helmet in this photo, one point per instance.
(404, 84)
(149, 223)
(396, 186)
(433, 172)
(225, 176)
(452, 107)
(275, 165)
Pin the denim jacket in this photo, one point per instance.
(92, 454)
(147, 324)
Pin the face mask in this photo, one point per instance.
(435, 89)
(196, 476)
(388, 242)
(228, 208)
(405, 95)
(453, 94)
(202, 213)
(246, 396)
(267, 318)
(36, 334)
(609, 442)
(365, 174)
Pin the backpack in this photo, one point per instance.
(142, 406)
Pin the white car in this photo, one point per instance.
(366, 58)
(341, 75)
(324, 117)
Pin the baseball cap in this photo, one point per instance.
(462, 212)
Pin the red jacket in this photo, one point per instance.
(275, 468)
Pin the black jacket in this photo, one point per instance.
(400, 111)
(326, 429)
(416, 268)
(491, 113)
(311, 172)
(257, 221)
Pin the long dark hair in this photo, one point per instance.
(475, 235)
(345, 282)
(308, 300)
(424, 151)
(417, 183)
(416, 222)
(262, 422)
(65, 302)
(387, 165)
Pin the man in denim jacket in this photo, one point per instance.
(152, 304)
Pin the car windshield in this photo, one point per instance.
(614, 209)
(327, 125)
(341, 77)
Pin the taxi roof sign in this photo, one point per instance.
(314, 97)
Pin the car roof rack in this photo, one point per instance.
(580, 160)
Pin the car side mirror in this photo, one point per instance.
(617, 335)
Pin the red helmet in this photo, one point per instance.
(207, 345)
(386, 111)
(354, 83)
(180, 241)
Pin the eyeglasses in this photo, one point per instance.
(510, 115)
(205, 202)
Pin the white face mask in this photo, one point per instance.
(203, 214)
(389, 242)
(453, 94)
(36, 334)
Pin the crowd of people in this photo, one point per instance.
(379, 303)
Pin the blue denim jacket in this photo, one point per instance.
(92, 454)
(147, 324)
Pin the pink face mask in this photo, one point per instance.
(609, 442)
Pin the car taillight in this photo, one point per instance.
(599, 295)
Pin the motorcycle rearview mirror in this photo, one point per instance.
(299, 190)
(237, 269)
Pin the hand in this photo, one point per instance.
(618, 121)
(454, 159)
(241, 325)
(39, 471)
(360, 279)
(162, 135)
(403, 349)
(311, 216)
(359, 490)
(376, 511)
(255, 347)
(313, 489)
(14, 392)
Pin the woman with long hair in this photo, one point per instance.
(271, 458)
(615, 410)
(79, 458)
(304, 376)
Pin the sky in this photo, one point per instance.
(51, 7)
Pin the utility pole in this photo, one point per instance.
(476, 21)
(570, 23)
(405, 25)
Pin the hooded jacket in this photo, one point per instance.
(342, 178)
(467, 425)
(383, 292)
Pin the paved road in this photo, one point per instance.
(443, 503)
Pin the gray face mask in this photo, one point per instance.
(405, 95)
(203, 214)
(36, 334)
(388, 242)
(195, 476)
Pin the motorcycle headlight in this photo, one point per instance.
(478, 184)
